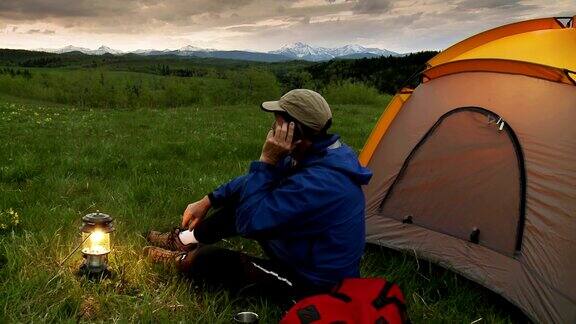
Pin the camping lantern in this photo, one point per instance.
(96, 228)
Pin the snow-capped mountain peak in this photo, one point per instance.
(190, 48)
(351, 49)
(105, 49)
(304, 51)
(300, 50)
(71, 48)
(65, 49)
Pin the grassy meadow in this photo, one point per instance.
(66, 151)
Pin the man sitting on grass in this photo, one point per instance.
(301, 201)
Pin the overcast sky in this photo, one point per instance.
(401, 26)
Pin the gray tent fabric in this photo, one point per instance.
(492, 152)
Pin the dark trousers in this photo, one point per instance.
(241, 273)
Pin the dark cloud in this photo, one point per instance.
(137, 16)
(40, 31)
(38, 9)
(130, 9)
(133, 16)
(491, 4)
(372, 7)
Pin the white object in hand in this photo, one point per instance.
(187, 237)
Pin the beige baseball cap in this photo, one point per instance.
(306, 106)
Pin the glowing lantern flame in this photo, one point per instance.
(96, 242)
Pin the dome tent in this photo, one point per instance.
(475, 169)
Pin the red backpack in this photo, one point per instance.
(355, 300)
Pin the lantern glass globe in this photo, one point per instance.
(96, 242)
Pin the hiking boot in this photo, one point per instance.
(169, 240)
(179, 259)
(159, 255)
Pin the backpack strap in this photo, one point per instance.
(382, 300)
(343, 297)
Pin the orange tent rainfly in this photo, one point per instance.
(476, 168)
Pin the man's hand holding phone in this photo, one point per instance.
(278, 143)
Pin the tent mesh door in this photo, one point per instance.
(465, 178)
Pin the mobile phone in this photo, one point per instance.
(297, 127)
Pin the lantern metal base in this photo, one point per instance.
(94, 274)
(95, 267)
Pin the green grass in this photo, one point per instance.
(143, 166)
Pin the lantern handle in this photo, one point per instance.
(75, 249)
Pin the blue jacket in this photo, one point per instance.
(311, 215)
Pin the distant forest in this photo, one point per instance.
(133, 81)
(386, 74)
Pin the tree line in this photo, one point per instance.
(385, 74)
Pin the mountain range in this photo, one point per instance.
(296, 51)
(309, 53)
(67, 49)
